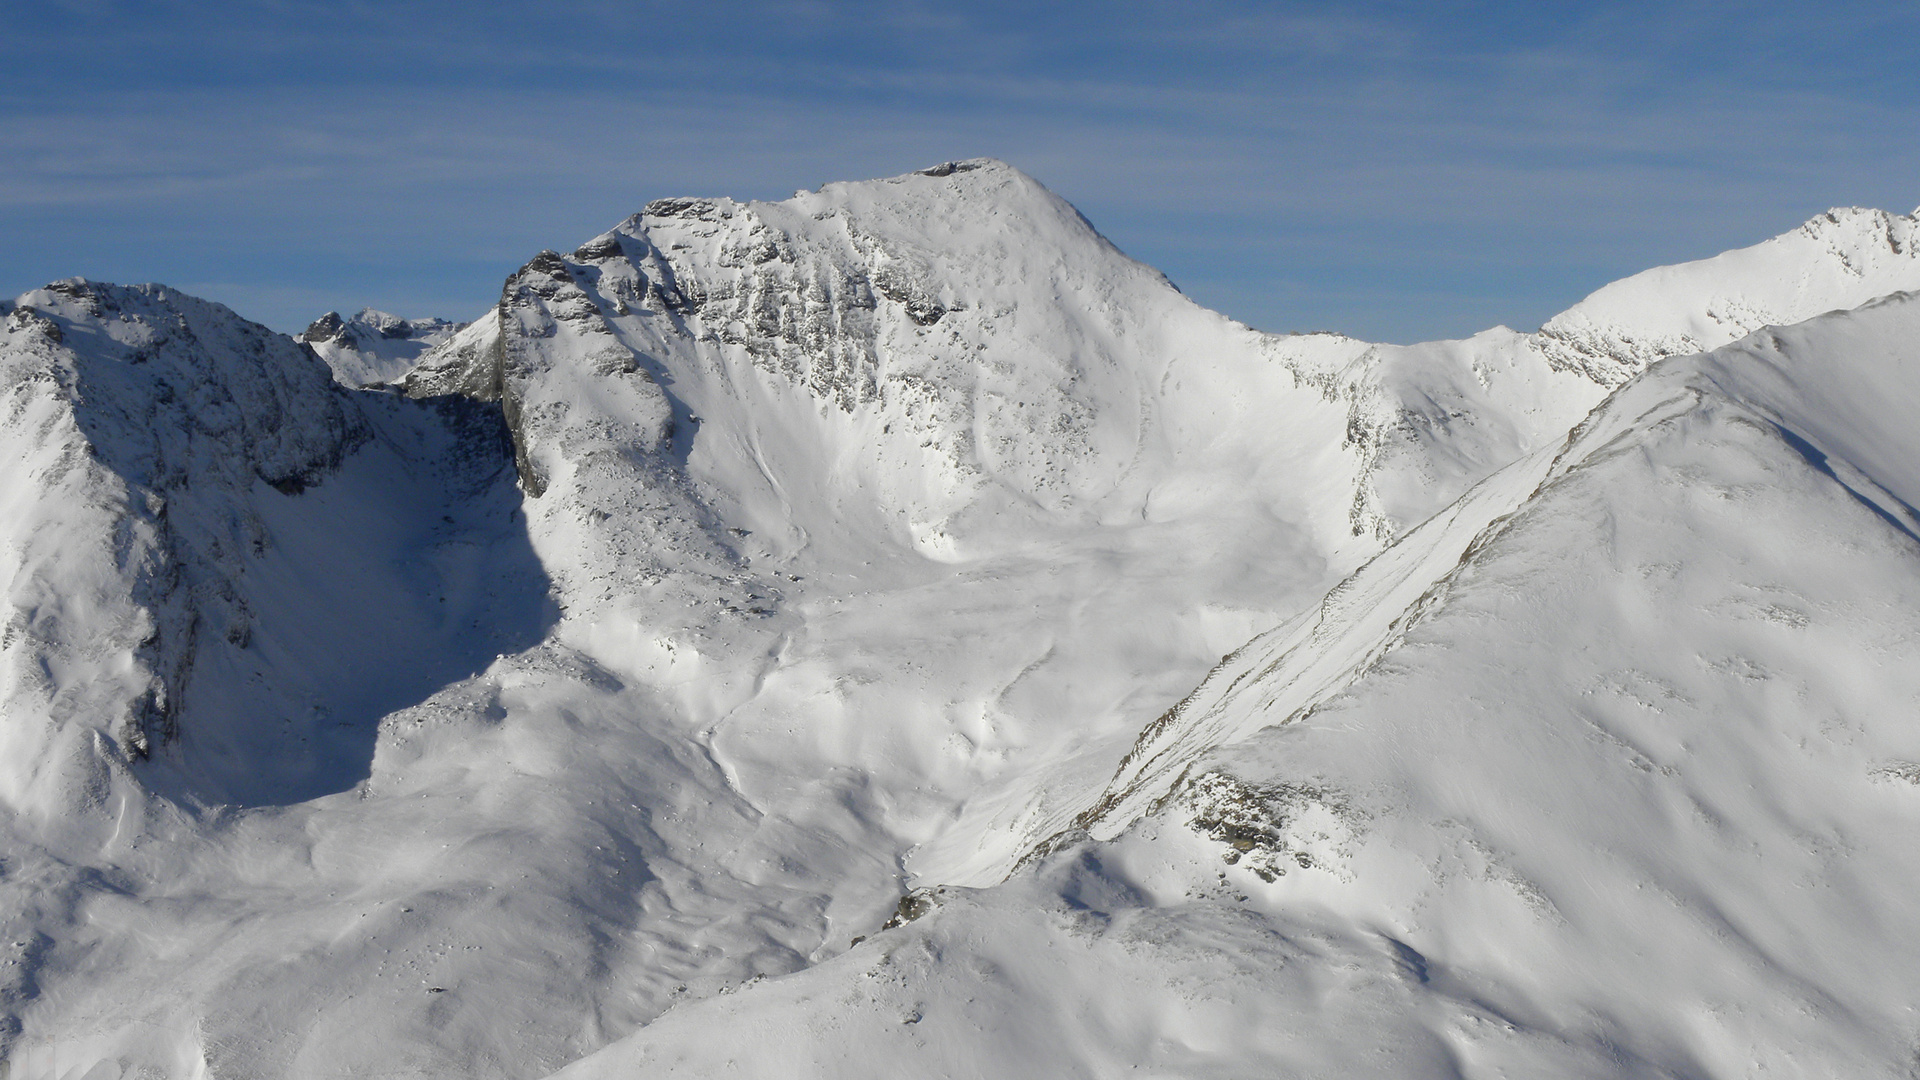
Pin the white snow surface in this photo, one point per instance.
(583, 698)
(1627, 789)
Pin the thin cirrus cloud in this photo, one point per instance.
(1373, 169)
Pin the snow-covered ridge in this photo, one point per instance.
(1835, 262)
(1433, 419)
(122, 402)
(1838, 261)
(914, 299)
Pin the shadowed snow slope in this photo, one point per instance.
(1624, 787)
(754, 563)
(228, 566)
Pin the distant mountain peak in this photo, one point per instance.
(373, 346)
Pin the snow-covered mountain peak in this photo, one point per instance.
(938, 391)
(180, 524)
(984, 349)
(143, 419)
(167, 385)
(373, 347)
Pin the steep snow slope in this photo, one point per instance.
(184, 457)
(1625, 789)
(224, 573)
(373, 347)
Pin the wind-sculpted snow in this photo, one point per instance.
(755, 564)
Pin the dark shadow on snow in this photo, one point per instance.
(292, 617)
(1818, 459)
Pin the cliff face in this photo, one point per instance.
(951, 339)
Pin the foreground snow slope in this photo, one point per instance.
(792, 555)
(1625, 789)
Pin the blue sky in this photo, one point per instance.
(1395, 171)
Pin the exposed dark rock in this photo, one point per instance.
(328, 327)
(912, 906)
(1257, 821)
(601, 247)
(948, 168)
(681, 208)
